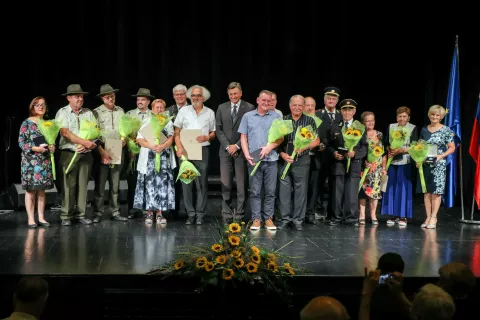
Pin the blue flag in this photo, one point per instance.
(452, 120)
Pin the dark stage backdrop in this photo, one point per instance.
(381, 57)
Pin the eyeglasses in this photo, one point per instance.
(195, 95)
(43, 105)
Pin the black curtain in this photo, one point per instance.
(383, 57)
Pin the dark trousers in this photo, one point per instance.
(346, 196)
(325, 173)
(131, 179)
(266, 177)
(295, 181)
(178, 190)
(228, 167)
(313, 186)
(201, 184)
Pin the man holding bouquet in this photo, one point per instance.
(75, 182)
(108, 116)
(297, 174)
(347, 164)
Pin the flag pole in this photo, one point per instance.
(461, 180)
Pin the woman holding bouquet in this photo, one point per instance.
(370, 189)
(36, 167)
(155, 190)
(435, 173)
(398, 198)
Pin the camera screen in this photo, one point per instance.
(382, 278)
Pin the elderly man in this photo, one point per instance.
(143, 114)
(254, 137)
(232, 160)
(75, 183)
(324, 308)
(196, 116)
(108, 115)
(432, 302)
(330, 117)
(299, 168)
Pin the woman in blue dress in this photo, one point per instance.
(36, 168)
(155, 191)
(398, 198)
(435, 174)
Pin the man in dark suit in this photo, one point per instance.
(232, 159)
(331, 117)
(180, 97)
(345, 184)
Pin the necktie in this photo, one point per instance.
(234, 113)
(346, 124)
(331, 116)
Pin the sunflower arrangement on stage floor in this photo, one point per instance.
(232, 258)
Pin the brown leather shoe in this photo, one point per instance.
(255, 225)
(269, 225)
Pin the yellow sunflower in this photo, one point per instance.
(419, 147)
(255, 249)
(256, 258)
(356, 133)
(309, 136)
(184, 176)
(221, 259)
(217, 247)
(377, 151)
(349, 132)
(209, 266)
(235, 253)
(47, 123)
(273, 266)
(239, 263)
(272, 257)
(397, 134)
(289, 269)
(251, 267)
(178, 265)
(234, 240)
(304, 130)
(228, 274)
(200, 262)
(234, 228)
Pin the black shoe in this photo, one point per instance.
(97, 219)
(118, 217)
(298, 227)
(84, 221)
(44, 224)
(32, 226)
(199, 221)
(66, 222)
(333, 222)
(190, 221)
(310, 220)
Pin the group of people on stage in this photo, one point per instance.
(296, 194)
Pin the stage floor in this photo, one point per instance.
(132, 247)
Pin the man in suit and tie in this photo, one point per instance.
(345, 184)
(331, 117)
(232, 159)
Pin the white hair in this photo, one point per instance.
(179, 87)
(205, 92)
(432, 302)
(295, 97)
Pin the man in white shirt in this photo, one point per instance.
(196, 116)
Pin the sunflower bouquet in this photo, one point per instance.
(158, 122)
(352, 136)
(303, 137)
(397, 138)
(187, 171)
(89, 130)
(231, 258)
(374, 157)
(418, 151)
(278, 129)
(50, 130)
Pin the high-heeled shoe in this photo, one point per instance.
(432, 225)
(425, 224)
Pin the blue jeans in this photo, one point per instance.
(266, 176)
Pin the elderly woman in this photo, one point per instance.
(398, 198)
(370, 188)
(155, 191)
(36, 167)
(435, 173)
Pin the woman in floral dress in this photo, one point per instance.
(155, 191)
(435, 173)
(371, 187)
(36, 168)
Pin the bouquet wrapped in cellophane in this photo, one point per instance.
(278, 129)
(318, 121)
(89, 130)
(352, 136)
(50, 130)
(303, 137)
(374, 157)
(158, 123)
(418, 151)
(397, 138)
(187, 171)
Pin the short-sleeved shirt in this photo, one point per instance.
(256, 127)
(68, 119)
(109, 120)
(187, 118)
(141, 115)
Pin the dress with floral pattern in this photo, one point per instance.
(371, 185)
(435, 174)
(36, 168)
